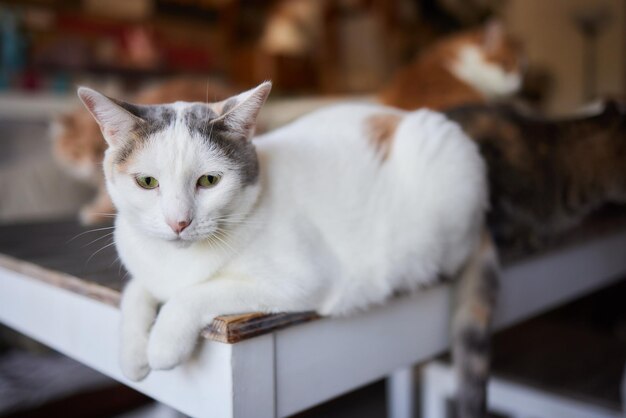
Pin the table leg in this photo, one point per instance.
(401, 394)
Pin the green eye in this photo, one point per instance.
(147, 182)
(208, 180)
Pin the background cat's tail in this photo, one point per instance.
(476, 300)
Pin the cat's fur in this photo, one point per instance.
(79, 148)
(332, 213)
(475, 66)
(546, 175)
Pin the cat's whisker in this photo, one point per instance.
(115, 261)
(222, 237)
(234, 218)
(92, 255)
(90, 231)
(232, 215)
(211, 241)
(98, 239)
(238, 221)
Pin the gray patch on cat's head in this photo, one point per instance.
(199, 119)
(203, 121)
(154, 118)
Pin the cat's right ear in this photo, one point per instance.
(240, 112)
(115, 122)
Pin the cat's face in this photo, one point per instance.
(182, 172)
(490, 60)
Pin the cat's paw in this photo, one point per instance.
(173, 337)
(134, 361)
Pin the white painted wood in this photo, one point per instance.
(325, 358)
(401, 391)
(505, 397)
(536, 285)
(435, 390)
(253, 378)
(86, 330)
(337, 355)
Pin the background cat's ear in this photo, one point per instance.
(494, 34)
(115, 122)
(240, 112)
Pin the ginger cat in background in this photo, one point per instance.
(79, 148)
(475, 66)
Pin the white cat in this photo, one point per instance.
(332, 213)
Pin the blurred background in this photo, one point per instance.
(315, 51)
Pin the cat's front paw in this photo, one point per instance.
(173, 337)
(134, 360)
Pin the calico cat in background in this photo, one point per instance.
(79, 148)
(332, 213)
(546, 175)
(475, 66)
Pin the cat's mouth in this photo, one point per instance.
(188, 238)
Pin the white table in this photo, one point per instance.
(286, 370)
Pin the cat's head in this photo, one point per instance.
(181, 171)
(488, 58)
(77, 144)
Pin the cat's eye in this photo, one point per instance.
(208, 180)
(147, 182)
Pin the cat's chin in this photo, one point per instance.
(179, 242)
(182, 243)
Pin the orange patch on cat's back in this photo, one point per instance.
(380, 130)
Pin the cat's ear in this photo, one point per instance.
(494, 34)
(115, 122)
(240, 112)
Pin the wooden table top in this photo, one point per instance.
(83, 260)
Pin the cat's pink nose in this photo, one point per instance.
(179, 226)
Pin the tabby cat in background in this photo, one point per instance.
(546, 175)
(475, 66)
(79, 147)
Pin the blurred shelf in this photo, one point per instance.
(34, 106)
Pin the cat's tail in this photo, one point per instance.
(475, 304)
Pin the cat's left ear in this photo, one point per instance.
(240, 112)
(494, 34)
(116, 122)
